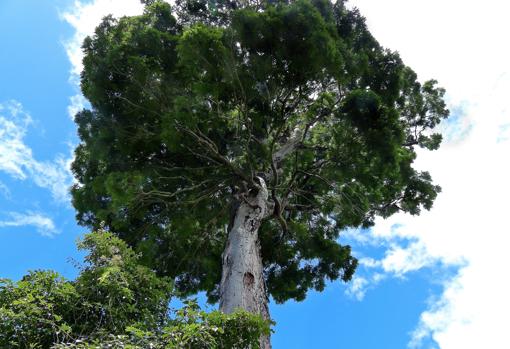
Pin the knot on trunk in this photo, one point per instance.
(248, 279)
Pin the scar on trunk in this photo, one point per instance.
(248, 279)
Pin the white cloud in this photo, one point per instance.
(456, 41)
(460, 43)
(357, 288)
(43, 224)
(84, 18)
(401, 260)
(17, 159)
(78, 103)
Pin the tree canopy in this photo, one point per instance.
(191, 107)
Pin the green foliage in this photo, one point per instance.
(115, 290)
(114, 303)
(199, 329)
(35, 311)
(191, 328)
(187, 110)
(111, 293)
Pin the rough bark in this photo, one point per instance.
(242, 282)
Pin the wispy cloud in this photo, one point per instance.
(4, 190)
(42, 223)
(13, 152)
(17, 159)
(357, 288)
(360, 285)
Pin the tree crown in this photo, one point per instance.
(190, 112)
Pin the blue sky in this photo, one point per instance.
(34, 83)
(433, 281)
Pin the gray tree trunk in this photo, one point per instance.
(242, 281)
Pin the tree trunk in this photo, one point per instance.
(242, 281)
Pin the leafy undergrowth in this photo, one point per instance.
(115, 302)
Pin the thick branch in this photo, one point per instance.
(289, 147)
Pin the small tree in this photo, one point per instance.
(111, 293)
(233, 143)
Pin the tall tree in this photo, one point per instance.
(232, 143)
